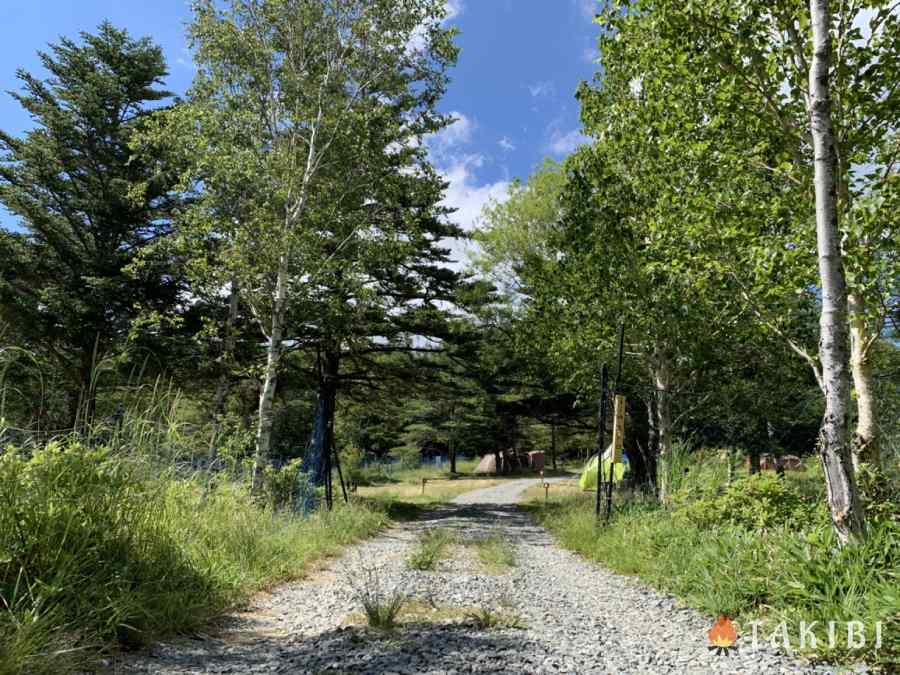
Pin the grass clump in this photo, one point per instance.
(100, 551)
(755, 550)
(496, 553)
(488, 618)
(382, 606)
(432, 547)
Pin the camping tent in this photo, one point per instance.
(487, 465)
(588, 479)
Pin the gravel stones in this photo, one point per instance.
(577, 617)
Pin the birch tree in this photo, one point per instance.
(284, 88)
(846, 511)
(735, 74)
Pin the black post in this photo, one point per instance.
(612, 466)
(337, 464)
(601, 432)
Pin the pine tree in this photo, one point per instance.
(87, 208)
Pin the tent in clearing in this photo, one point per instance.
(588, 479)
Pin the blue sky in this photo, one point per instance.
(512, 91)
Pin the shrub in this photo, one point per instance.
(409, 456)
(97, 550)
(759, 501)
(279, 486)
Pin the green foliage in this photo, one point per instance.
(409, 456)
(279, 486)
(431, 547)
(760, 501)
(759, 550)
(88, 207)
(880, 492)
(97, 550)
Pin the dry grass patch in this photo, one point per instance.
(496, 553)
(559, 492)
(435, 490)
(413, 612)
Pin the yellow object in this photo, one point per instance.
(588, 479)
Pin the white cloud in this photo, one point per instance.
(562, 144)
(454, 9)
(458, 167)
(540, 89)
(185, 59)
(469, 197)
(456, 134)
(506, 144)
(466, 195)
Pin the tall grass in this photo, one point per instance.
(759, 561)
(101, 551)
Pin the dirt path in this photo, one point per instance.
(574, 617)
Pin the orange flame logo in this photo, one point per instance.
(722, 635)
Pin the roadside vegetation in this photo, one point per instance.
(759, 548)
(102, 550)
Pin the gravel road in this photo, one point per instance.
(574, 617)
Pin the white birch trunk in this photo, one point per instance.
(270, 381)
(662, 383)
(866, 443)
(834, 448)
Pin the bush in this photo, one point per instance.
(97, 550)
(279, 486)
(409, 457)
(762, 500)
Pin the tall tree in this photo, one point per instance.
(289, 93)
(73, 182)
(843, 500)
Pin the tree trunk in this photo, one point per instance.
(834, 449)
(451, 446)
(317, 461)
(637, 442)
(652, 452)
(662, 382)
(270, 379)
(224, 370)
(866, 443)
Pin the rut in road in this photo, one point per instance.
(575, 617)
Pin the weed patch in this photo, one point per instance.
(431, 547)
(496, 553)
(99, 551)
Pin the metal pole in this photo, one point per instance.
(337, 464)
(604, 385)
